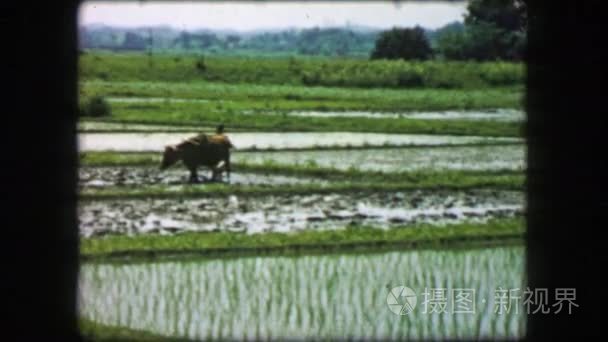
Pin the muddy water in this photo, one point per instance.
(315, 297)
(284, 213)
(499, 157)
(157, 141)
(95, 177)
(503, 115)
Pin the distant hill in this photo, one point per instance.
(351, 40)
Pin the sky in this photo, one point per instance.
(246, 16)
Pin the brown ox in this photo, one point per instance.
(199, 151)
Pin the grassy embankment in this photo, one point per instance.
(351, 238)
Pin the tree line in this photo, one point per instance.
(313, 42)
(492, 30)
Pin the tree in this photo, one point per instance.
(494, 29)
(479, 42)
(206, 40)
(200, 64)
(232, 40)
(133, 41)
(508, 15)
(402, 43)
(183, 40)
(505, 21)
(448, 29)
(452, 45)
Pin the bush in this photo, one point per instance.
(500, 73)
(402, 43)
(103, 75)
(311, 78)
(201, 65)
(409, 79)
(95, 106)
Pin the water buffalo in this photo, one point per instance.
(199, 151)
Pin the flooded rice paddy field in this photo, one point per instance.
(322, 296)
(242, 140)
(101, 126)
(133, 176)
(498, 114)
(502, 115)
(497, 157)
(487, 158)
(327, 296)
(287, 213)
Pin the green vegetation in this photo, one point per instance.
(208, 114)
(403, 43)
(120, 159)
(493, 30)
(241, 92)
(258, 107)
(301, 97)
(95, 106)
(351, 73)
(93, 331)
(227, 243)
(337, 295)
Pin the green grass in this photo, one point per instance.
(228, 243)
(320, 98)
(235, 97)
(335, 72)
(237, 105)
(93, 331)
(233, 115)
(120, 159)
(237, 90)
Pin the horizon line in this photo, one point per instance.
(277, 28)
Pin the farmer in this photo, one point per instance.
(220, 137)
